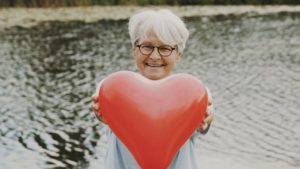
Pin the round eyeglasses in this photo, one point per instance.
(164, 50)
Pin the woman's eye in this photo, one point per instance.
(147, 47)
(164, 49)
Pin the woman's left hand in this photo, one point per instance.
(208, 120)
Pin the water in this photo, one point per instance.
(250, 63)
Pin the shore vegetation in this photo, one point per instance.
(64, 3)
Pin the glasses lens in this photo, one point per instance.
(146, 50)
(162, 50)
(165, 50)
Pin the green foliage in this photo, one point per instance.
(54, 3)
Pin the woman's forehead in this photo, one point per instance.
(152, 38)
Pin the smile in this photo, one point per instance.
(154, 65)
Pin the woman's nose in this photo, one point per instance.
(155, 54)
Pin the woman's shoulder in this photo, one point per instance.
(105, 130)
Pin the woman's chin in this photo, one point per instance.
(154, 73)
(155, 76)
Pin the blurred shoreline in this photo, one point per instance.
(28, 17)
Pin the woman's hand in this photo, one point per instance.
(208, 120)
(96, 109)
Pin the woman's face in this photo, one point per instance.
(154, 66)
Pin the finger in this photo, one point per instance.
(95, 98)
(100, 118)
(209, 118)
(95, 107)
(210, 108)
(203, 127)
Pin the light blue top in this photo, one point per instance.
(117, 156)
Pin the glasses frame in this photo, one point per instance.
(158, 47)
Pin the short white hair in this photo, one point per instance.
(168, 27)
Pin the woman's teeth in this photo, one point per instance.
(154, 65)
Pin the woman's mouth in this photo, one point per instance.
(154, 65)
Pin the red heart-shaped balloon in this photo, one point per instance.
(153, 118)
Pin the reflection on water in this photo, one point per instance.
(48, 73)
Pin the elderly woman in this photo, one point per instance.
(158, 39)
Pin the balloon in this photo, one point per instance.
(153, 118)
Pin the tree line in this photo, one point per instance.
(57, 3)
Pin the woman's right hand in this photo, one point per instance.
(96, 109)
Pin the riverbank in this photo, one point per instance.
(28, 17)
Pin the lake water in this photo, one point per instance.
(250, 63)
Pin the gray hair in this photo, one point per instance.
(168, 27)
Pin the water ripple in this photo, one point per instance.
(49, 72)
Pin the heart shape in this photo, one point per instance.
(153, 118)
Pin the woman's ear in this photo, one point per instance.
(133, 49)
(133, 52)
(178, 58)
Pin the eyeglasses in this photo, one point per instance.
(164, 50)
